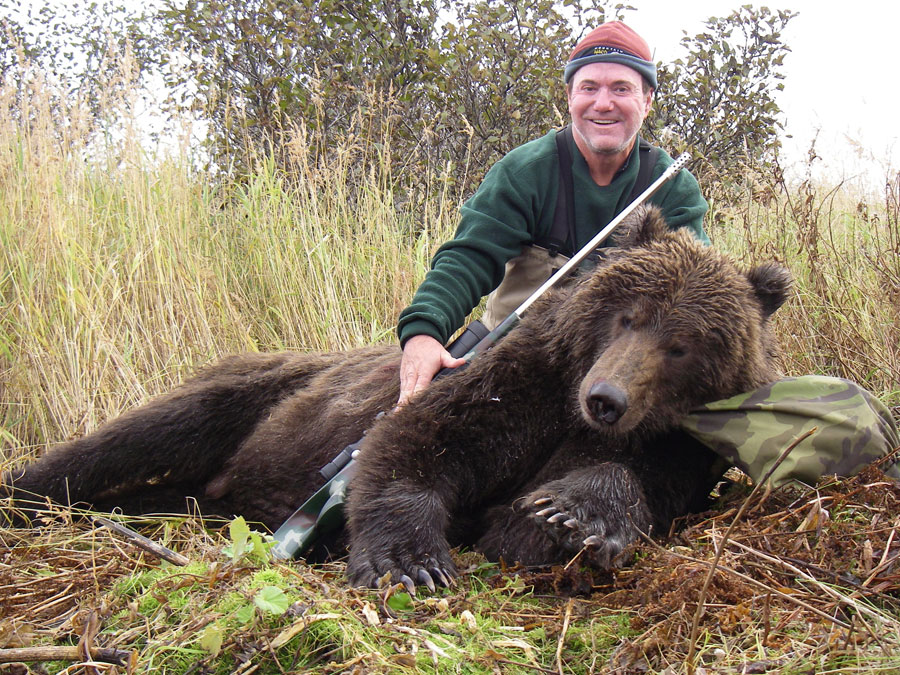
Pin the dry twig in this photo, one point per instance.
(695, 628)
(72, 653)
(143, 542)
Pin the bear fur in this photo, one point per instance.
(563, 437)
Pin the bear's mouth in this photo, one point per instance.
(618, 427)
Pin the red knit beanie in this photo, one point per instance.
(613, 42)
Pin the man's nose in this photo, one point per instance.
(602, 100)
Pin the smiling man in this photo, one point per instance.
(548, 198)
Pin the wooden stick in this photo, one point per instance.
(143, 542)
(116, 656)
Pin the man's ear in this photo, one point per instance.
(648, 101)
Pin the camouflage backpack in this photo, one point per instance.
(752, 430)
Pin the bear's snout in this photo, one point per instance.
(621, 387)
(606, 402)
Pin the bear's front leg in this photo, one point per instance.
(599, 508)
(433, 465)
(400, 532)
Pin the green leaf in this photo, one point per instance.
(271, 599)
(245, 614)
(211, 638)
(400, 602)
(239, 532)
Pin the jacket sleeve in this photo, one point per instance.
(681, 201)
(495, 223)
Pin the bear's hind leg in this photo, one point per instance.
(179, 438)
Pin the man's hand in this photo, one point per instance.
(423, 356)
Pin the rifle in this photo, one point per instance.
(324, 510)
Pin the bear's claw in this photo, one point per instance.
(429, 573)
(572, 534)
(429, 578)
(554, 515)
(593, 541)
(424, 579)
(554, 518)
(578, 515)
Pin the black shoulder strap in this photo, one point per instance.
(648, 156)
(562, 232)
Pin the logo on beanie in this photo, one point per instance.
(603, 49)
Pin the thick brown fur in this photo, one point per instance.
(567, 431)
(246, 435)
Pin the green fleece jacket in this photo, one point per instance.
(514, 207)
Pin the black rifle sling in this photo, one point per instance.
(562, 232)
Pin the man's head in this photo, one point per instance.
(610, 81)
(613, 42)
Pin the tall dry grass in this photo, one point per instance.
(842, 244)
(122, 270)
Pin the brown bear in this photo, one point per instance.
(565, 436)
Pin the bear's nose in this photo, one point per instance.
(607, 403)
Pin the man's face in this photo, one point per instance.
(608, 105)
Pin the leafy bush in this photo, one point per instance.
(453, 83)
(718, 102)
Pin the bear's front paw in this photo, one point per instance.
(398, 530)
(602, 539)
(374, 570)
(599, 510)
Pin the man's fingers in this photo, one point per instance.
(415, 382)
(448, 361)
(423, 356)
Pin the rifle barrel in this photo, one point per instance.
(513, 319)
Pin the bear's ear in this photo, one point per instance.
(644, 225)
(771, 283)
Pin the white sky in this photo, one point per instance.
(840, 75)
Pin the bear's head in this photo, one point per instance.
(664, 324)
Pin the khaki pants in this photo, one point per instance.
(523, 276)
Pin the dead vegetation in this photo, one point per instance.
(808, 581)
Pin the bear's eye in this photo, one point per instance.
(675, 352)
(626, 322)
